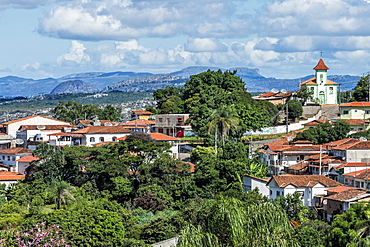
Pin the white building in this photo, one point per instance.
(10, 156)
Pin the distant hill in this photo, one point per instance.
(75, 86)
(146, 83)
(11, 86)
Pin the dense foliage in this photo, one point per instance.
(72, 111)
(325, 132)
(361, 92)
(212, 94)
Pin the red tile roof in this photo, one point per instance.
(304, 181)
(102, 130)
(263, 179)
(15, 151)
(312, 81)
(356, 121)
(162, 137)
(11, 176)
(104, 143)
(347, 195)
(46, 127)
(360, 104)
(321, 65)
(60, 134)
(142, 112)
(341, 189)
(90, 122)
(139, 122)
(27, 158)
(156, 137)
(316, 122)
(25, 118)
(354, 164)
(362, 174)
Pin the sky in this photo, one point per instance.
(282, 38)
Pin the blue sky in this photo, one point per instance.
(282, 38)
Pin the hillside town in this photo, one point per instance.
(318, 160)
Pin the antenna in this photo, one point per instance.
(362, 138)
(40, 127)
(274, 90)
(283, 90)
(19, 141)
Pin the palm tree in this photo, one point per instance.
(62, 191)
(221, 121)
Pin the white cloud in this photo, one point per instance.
(75, 56)
(205, 45)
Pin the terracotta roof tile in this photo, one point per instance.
(27, 158)
(356, 121)
(15, 151)
(304, 181)
(25, 118)
(298, 167)
(316, 122)
(360, 104)
(102, 130)
(347, 195)
(321, 65)
(341, 189)
(312, 81)
(142, 112)
(354, 164)
(90, 122)
(47, 127)
(60, 134)
(362, 145)
(11, 176)
(362, 174)
(156, 137)
(139, 122)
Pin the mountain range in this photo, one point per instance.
(12, 86)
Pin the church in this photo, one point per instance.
(324, 90)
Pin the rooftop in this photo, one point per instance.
(304, 181)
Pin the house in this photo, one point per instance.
(289, 155)
(250, 182)
(159, 137)
(358, 179)
(353, 151)
(95, 122)
(276, 97)
(321, 164)
(92, 135)
(140, 125)
(24, 162)
(357, 124)
(348, 167)
(142, 114)
(314, 123)
(9, 156)
(61, 139)
(12, 127)
(340, 199)
(6, 141)
(9, 178)
(355, 110)
(39, 133)
(173, 125)
(307, 185)
(324, 91)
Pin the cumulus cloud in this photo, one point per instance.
(204, 45)
(125, 19)
(75, 56)
(23, 4)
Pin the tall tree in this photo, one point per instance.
(221, 121)
(361, 92)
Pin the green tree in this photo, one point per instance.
(111, 113)
(305, 94)
(62, 191)
(207, 91)
(221, 121)
(169, 100)
(361, 92)
(293, 206)
(295, 109)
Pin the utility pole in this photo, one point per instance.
(286, 118)
(368, 80)
(320, 159)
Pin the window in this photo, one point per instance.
(114, 138)
(270, 192)
(345, 112)
(367, 112)
(277, 193)
(160, 120)
(331, 90)
(8, 158)
(92, 139)
(68, 138)
(13, 158)
(101, 139)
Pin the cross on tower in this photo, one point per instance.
(321, 52)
